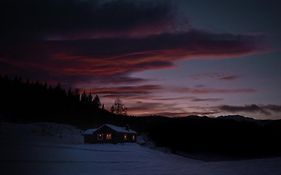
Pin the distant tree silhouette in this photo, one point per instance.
(90, 99)
(84, 98)
(96, 102)
(118, 107)
(35, 101)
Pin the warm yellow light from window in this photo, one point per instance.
(125, 137)
(108, 136)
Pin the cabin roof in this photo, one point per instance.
(113, 127)
(89, 131)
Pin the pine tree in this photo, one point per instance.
(96, 102)
(89, 98)
(118, 107)
(83, 97)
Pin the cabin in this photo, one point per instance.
(108, 133)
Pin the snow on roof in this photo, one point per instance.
(89, 131)
(120, 129)
(115, 128)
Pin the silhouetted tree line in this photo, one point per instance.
(24, 100)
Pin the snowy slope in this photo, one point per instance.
(40, 133)
(103, 159)
(126, 159)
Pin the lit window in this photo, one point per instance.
(108, 136)
(133, 137)
(125, 137)
(99, 136)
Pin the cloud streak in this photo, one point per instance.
(215, 76)
(209, 90)
(253, 108)
(193, 99)
(124, 90)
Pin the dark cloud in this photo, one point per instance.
(185, 114)
(208, 90)
(274, 108)
(215, 75)
(206, 99)
(193, 99)
(130, 97)
(124, 90)
(229, 77)
(34, 19)
(253, 108)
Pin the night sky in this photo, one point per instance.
(173, 58)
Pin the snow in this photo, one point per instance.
(40, 133)
(115, 128)
(52, 157)
(120, 129)
(89, 131)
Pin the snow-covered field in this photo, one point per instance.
(40, 133)
(73, 158)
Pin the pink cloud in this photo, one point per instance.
(119, 57)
